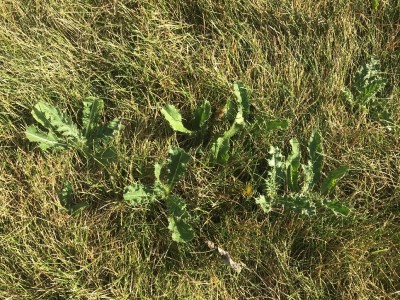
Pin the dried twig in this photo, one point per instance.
(226, 257)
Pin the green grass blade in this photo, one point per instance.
(178, 220)
(174, 118)
(332, 179)
(92, 108)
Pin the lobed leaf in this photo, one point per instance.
(53, 120)
(45, 141)
(65, 195)
(276, 176)
(178, 220)
(174, 118)
(106, 156)
(138, 194)
(374, 4)
(331, 180)
(231, 110)
(298, 203)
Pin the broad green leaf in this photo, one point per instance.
(265, 205)
(242, 99)
(176, 166)
(138, 194)
(51, 118)
(76, 208)
(45, 141)
(174, 118)
(157, 172)
(293, 166)
(202, 115)
(178, 220)
(235, 127)
(219, 150)
(92, 108)
(159, 188)
(298, 203)
(277, 124)
(314, 166)
(337, 207)
(231, 110)
(368, 82)
(332, 179)
(66, 194)
(106, 156)
(107, 132)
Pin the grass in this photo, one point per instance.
(138, 56)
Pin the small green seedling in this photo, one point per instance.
(200, 117)
(282, 185)
(167, 176)
(363, 95)
(92, 140)
(65, 195)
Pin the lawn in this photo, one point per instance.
(330, 68)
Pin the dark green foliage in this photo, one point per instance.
(66, 195)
